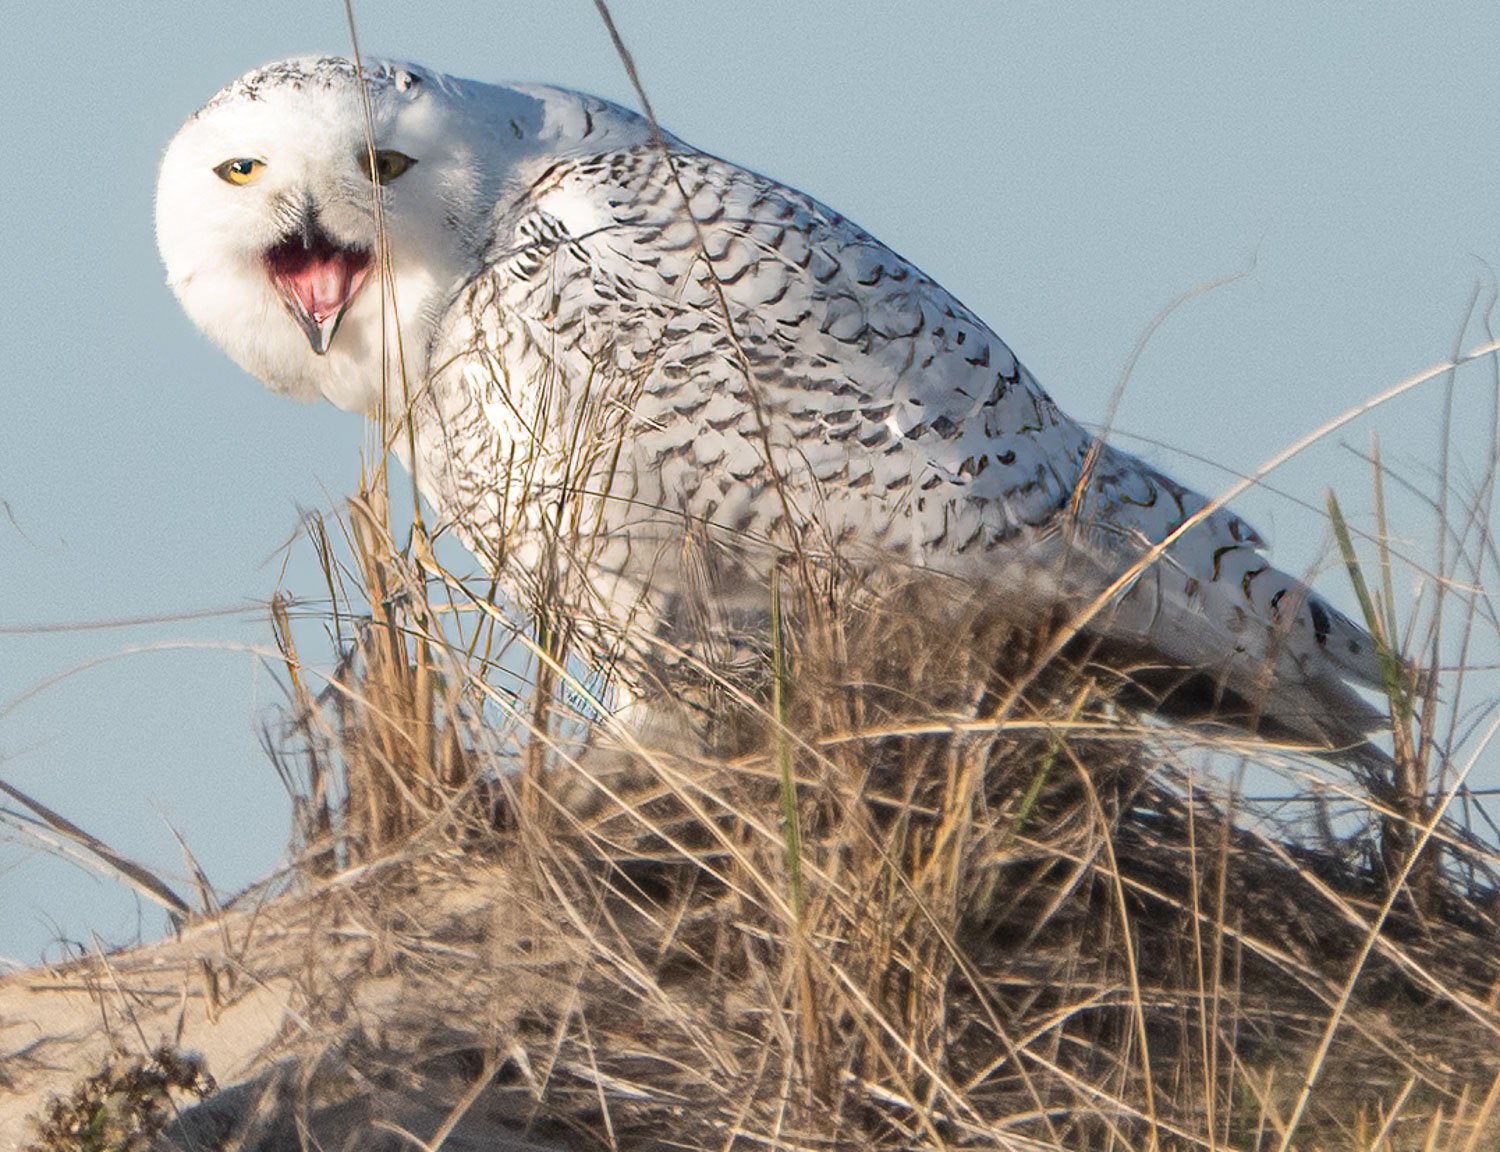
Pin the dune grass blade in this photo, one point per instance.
(137, 876)
(791, 819)
(1393, 669)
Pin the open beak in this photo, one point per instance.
(317, 279)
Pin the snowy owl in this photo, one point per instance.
(621, 365)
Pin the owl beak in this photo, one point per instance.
(317, 279)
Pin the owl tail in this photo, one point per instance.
(1217, 634)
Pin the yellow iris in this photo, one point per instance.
(389, 164)
(241, 170)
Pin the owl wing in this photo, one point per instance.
(760, 365)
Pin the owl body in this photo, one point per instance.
(642, 378)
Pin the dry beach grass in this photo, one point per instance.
(895, 915)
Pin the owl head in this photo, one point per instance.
(273, 198)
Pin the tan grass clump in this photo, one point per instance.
(896, 905)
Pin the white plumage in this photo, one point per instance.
(640, 372)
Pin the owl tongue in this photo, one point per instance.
(317, 282)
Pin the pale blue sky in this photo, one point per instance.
(1066, 170)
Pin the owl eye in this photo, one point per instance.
(389, 164)
(239, 171)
